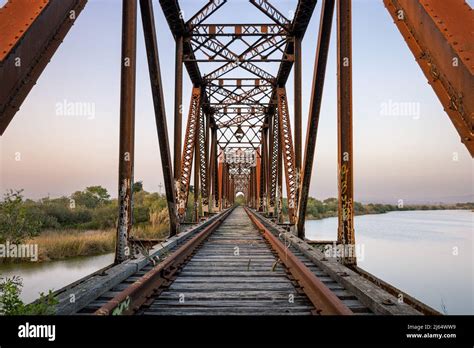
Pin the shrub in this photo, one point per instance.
(11, 304)
(16, 224)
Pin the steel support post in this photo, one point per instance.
(178, 106)
(263, 169)
(222, 186)
(212, 169)
(279, 188)
(327, 12)
(205, 173)
(297, 117)
(220, 181)
(188, 151)
(215, 174)
(127, 128)
(151, 44)
(345, 231)
(197, 167)
(288, 151)
(271, 182)
(266, 161)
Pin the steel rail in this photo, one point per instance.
(325, 301)
(137, 294)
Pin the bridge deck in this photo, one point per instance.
(236, 272)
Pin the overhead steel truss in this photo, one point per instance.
(244, 65)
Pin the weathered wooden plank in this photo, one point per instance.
(217, 280)
(232, 286)
(229, 311)
(218, 303)
(231, 273)
(231, 295)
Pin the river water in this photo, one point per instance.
(427, 254)
(53, 275)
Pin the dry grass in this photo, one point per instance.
(150, 232)
(157, 229)
(56, 245)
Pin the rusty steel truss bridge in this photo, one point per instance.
(240, 136)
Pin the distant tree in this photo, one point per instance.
(91, 197)
(138, 186)
(240, 200)
(16, 224)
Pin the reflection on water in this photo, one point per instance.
(428, 254)
(43, 276)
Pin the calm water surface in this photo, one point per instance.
(427, 254)
(414, 251)
(43, 276)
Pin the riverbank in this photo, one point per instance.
(55, 245)
(373, 209)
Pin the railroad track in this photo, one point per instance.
(236, 266)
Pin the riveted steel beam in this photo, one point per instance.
(288, 152)
(440, 36)
(30, 34)
(188, 151)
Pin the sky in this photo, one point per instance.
(415, 156)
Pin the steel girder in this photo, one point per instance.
(30, 34)
(440, 36)
(273, 166)
(288, 152)
(188, 151)
(203, 163)
(240, 105)
(263, 171)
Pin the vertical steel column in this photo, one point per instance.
(327, 12)
(222, 190)
(297, 119)
(204, 174)
(263, 174)
(220, 180)
(178, 106)
(249, 189)
(127, 127)
(275, 156)
(345, 232)
(270, 176)
(279, 188)
(288, 151)
(188, 151)
(212, 169)
(266, 161)
(255, 186)
(149, 31)
(215, 175)
(197, 167)
(224, 186)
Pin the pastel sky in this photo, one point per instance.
(416, 157)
